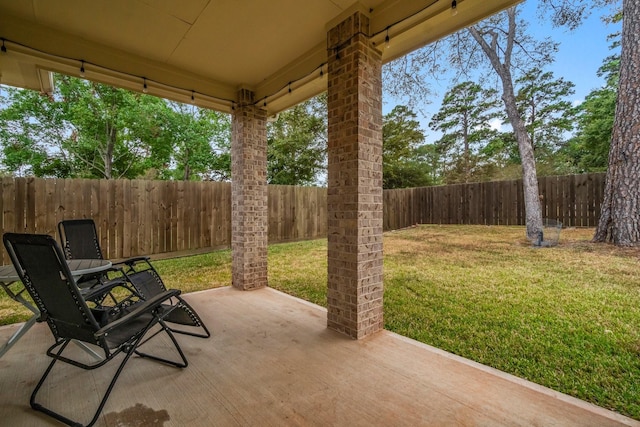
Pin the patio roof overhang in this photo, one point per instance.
(205, 51)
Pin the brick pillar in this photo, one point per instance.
(249, 209)
(354, 295)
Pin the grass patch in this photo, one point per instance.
(566, 317)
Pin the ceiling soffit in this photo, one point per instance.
(206, 50)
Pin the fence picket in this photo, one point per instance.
(150, 217)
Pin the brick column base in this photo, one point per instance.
(249, 208)
(355, 290)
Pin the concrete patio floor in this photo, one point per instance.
(271, 361)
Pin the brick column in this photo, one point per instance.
(249, 209)
(355, 291)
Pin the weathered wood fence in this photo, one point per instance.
(137, 217)
(574, 200)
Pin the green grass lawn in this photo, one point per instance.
(566, 317)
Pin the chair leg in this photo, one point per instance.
(38, 407)
(165, 328)
(62, 418)
(183, 305)
(206, 333)
(129, 351)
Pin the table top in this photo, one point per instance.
(78, 267)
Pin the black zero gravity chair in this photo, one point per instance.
(117, 329)
(79, 239)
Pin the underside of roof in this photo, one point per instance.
(205, 51)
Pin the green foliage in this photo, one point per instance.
(32, 143)
(589, 149)
(464, 117)
(107, 139)
(406, 161)
(91, 130)
(190, 140)
(548, 117)
(297, 144)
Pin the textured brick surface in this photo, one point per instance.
(249, 208)
(355, 290)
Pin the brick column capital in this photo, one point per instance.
(245, 98)
(357, 23)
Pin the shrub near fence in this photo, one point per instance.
(136, 217)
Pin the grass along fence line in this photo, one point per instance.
(566, 317)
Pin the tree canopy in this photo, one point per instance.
(297, 144)
(404, 159)
(465, 119)
(91, 130)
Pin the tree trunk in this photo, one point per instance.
(187, 170)
(533, 213)
(620, 215)
(112, 134)
(467, 154)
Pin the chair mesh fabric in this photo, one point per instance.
(50, 284)
(80, 239)
(149, 284)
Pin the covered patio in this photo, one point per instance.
(272, 361)
(254, 59)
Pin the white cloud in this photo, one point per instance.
(496, 124)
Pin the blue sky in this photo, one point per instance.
(580, 54)
(581, 51)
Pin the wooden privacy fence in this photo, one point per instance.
(136, 217)
(574, 200)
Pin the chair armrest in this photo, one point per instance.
(139, 310)
(132, 261)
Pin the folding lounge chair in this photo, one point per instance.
(90, 284)
(79, 239)
(43, 269)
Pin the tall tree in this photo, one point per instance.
(403, 159)
(92, 130)
(620, 217)
(500, 43)
(464, 118)
(498, 37)
(543, 104)
(106, 140)
(84, 129)
(32, 143)
(297, 144)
